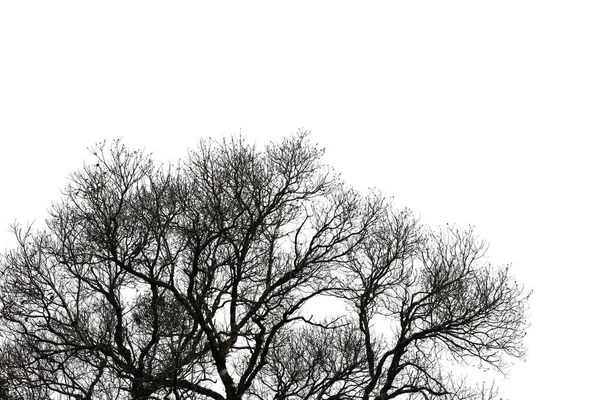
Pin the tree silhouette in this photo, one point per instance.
(195, 281)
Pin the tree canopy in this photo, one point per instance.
(196, 280)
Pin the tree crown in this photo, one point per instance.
(193, 281)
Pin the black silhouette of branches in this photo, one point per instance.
(195, 281)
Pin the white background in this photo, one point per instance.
(468, 112)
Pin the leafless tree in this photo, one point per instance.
(195, 280)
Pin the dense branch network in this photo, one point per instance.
(195, 281)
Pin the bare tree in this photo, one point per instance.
(194, 281)
(443, 303)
